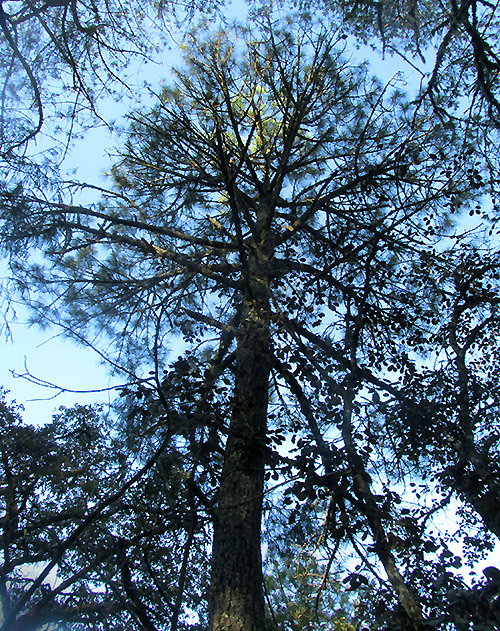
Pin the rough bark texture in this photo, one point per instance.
(236, 596)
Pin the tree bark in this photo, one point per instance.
(236, 600)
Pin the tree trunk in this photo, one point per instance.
(236, 600)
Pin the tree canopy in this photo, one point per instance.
(296, 268)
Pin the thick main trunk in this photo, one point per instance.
(236, 596)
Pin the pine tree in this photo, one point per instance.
(272, 208)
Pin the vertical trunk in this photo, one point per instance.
(371, 510)
(236, 596)
(473, 478)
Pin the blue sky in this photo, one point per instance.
(54, 359)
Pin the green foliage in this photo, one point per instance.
(123, 566)
(50, 50)
(458, 40)
(294, 588)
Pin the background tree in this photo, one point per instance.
(460, 39)
(84, 546)
(67, 57)
(302, 589)
(49, 482)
